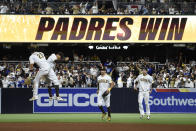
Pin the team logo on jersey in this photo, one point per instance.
(143, 79)
(103, 81)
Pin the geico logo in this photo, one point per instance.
(172, 101)
(79, 99)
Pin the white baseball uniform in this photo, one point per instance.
(44, 70)
(51, 60)
(104, 83)
(144, 84)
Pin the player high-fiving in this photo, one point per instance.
(52, 61)
(44, 70)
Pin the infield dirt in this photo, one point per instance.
(92, 127)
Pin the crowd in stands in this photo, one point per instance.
(129, 7)
(83, 74)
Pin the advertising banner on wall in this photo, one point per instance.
(173, 100)
(122, 101)
(76, 100)
(97, 29)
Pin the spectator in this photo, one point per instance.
(75, 56)
(3, 8)
(2, 67)
(88, 81)
(188, 82)
(94, 71)
(20, 82)
(142, 7)
(83, 8)
(119, 11)
(75, 9)
(49, 10)
(70, 81)
(154, 12)
(171, 11)
(61, 80)
(94, 8)
(120, 81)
(27, 82)
(84, 74)
(144, 10)
(5, 82)
(130, 80)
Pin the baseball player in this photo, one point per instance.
(144, 82)
(39, 59)
(105, 84)
(51, 60)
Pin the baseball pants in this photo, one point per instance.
(50, 74)
(144, 95)
(103, 101)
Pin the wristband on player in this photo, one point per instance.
(109, 89)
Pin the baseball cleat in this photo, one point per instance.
(50, 98)
(33, 98)
(148, 117)
(141, 116)
(103, 116)
(109, 118)
(59, 99)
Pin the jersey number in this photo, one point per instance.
(40, 55)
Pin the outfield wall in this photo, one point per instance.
(16, 100)
(0, 100)
(84, 100)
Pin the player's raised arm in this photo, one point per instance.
(60, 58)
(135, 83)
(150, 80)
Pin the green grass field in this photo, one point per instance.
(116, 118)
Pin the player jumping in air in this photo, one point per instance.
(105, 84)
(51, 60)
(144, 82)
(45, 70)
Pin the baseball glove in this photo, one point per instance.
(105, 93)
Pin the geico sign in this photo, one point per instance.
(69, 100)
